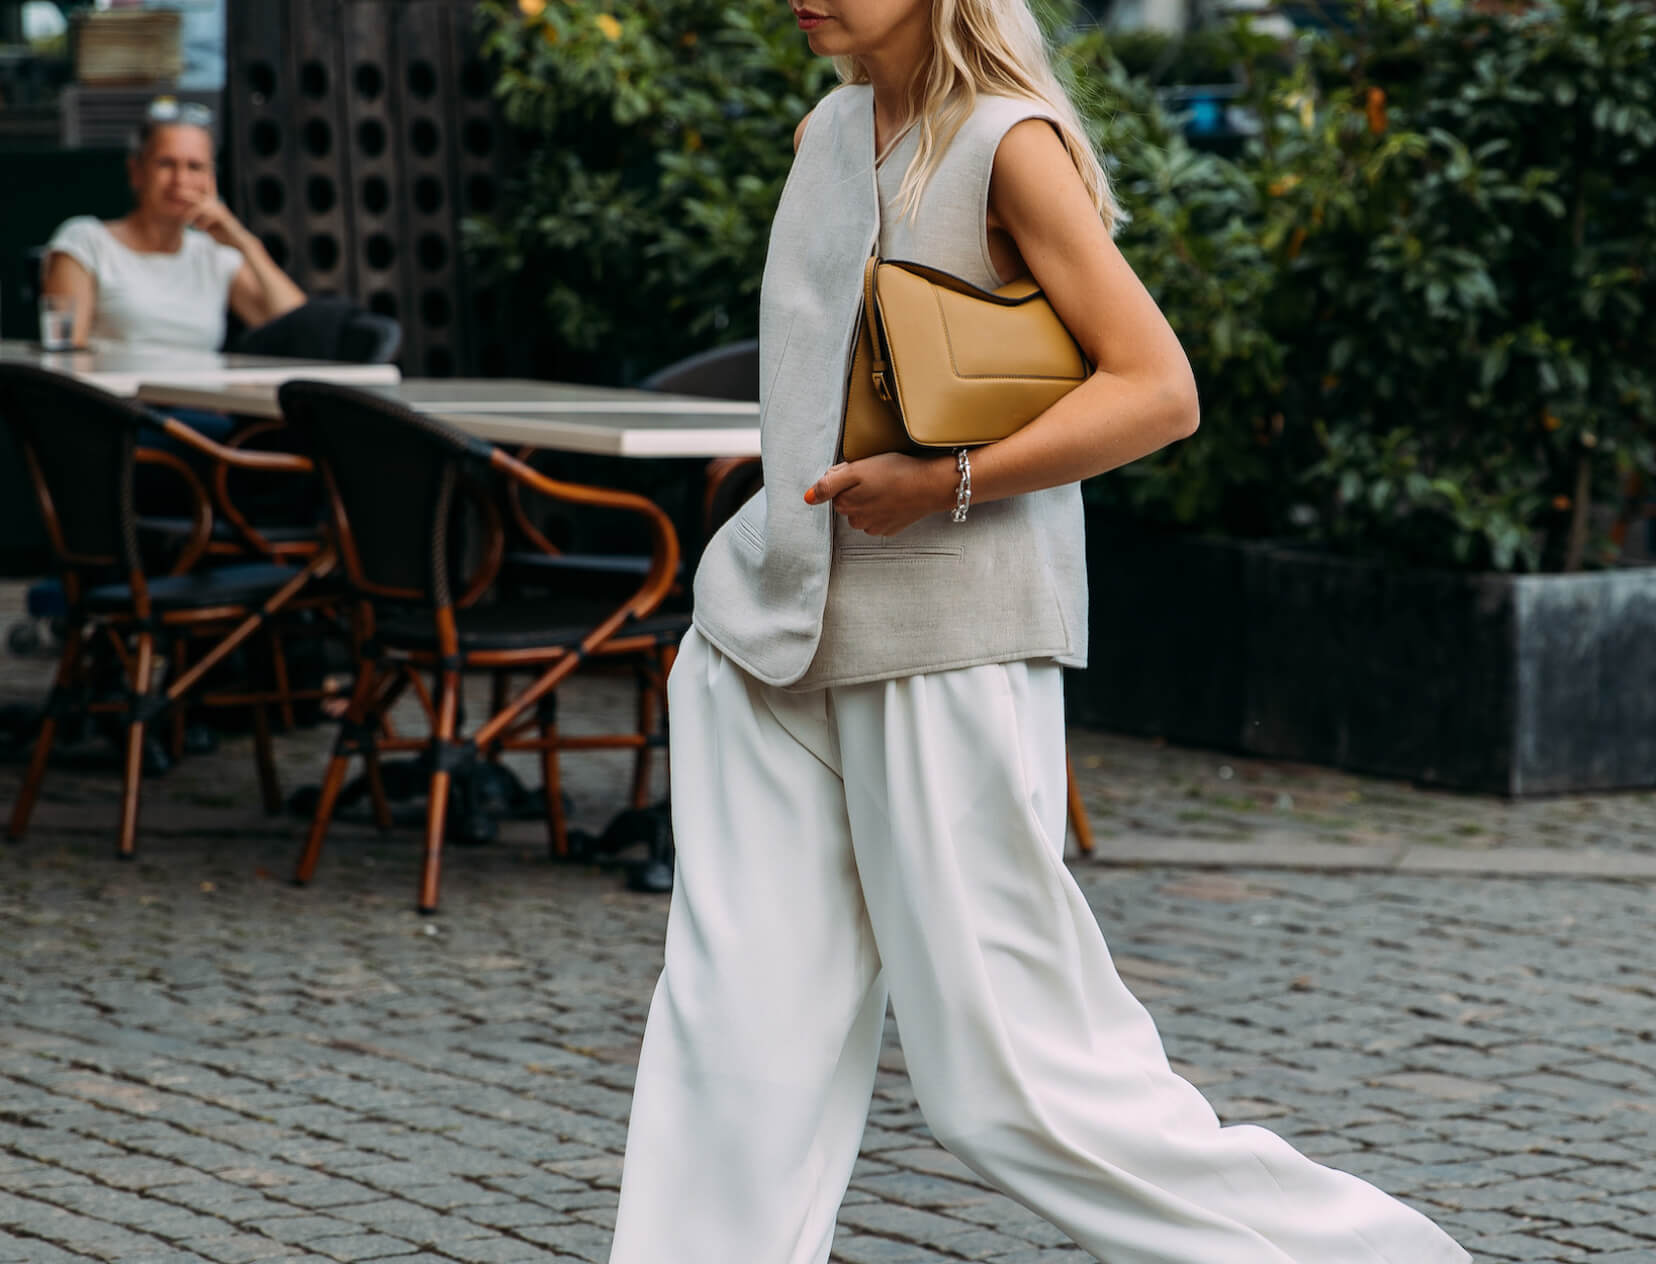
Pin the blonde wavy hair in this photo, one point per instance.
(993, 47)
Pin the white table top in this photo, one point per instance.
(119, 368)
(555, 415)
(654, 433)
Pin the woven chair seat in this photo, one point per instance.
(634, 564)
(282, 533)
(595, 575)
(246, 583)
(517, 625)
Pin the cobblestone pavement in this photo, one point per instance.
(199, 1062)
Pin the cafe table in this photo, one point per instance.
(556, 416)
(119, 367)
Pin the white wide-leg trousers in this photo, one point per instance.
(907, 835)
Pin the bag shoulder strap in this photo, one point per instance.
(876, 340)
(1022, 290)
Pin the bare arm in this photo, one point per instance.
(1140, 397)
(65, 276)
(260, 291)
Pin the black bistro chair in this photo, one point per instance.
(399, 484)
(727, 372)
(326, 328)
(80, 448)
(258, 517)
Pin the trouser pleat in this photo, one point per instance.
(764, 1030)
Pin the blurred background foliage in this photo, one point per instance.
(1416, 287)
(655, 136)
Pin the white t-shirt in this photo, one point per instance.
(178, 299)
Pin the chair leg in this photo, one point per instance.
(557, 828)
(1078, 811)
(376, 788)
(67, 672)
(448, 707)
(436, 818)
(646, 723)
(133, 766)
(279, 671)
(176, 721)
(270, 786)
(500, 691)
(669, 653)
(334, 778)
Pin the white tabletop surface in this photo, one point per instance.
(119, 367)
(555, 415)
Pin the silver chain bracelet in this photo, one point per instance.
(963, 489)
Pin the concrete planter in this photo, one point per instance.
(1512, 684)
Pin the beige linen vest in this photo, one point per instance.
(786, 589)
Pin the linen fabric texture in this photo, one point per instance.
(175, 299)
(904, 838)
(788, 590)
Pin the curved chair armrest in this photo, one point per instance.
(201, 527)
(664, 545)
(251, 536)
(520, 517)
(494, 545)
(288, 461)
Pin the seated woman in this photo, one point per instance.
(167, 271)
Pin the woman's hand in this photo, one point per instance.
(215, 219)
(884, 494)
(260, 291)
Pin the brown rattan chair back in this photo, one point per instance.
(78, 443)
(394, 478)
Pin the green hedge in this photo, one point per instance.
(1419, 308)
(657, 138)
(1462, 211)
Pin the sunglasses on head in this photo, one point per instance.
(172, 110)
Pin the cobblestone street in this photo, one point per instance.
(1449, 996)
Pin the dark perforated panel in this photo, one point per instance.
(361, 133)
(427, 124)
(476, 188)
(324, 221)
(257, 123)
(368, 33)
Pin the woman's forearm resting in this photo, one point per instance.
(1105, 423)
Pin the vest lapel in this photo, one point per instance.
(764, 605)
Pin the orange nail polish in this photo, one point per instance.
(810, 495)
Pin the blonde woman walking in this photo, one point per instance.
(868, 734)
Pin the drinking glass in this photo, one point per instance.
(57, 322)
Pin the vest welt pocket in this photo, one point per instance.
(894, 552)
(748, 534)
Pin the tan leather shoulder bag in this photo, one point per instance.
(941, 363)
